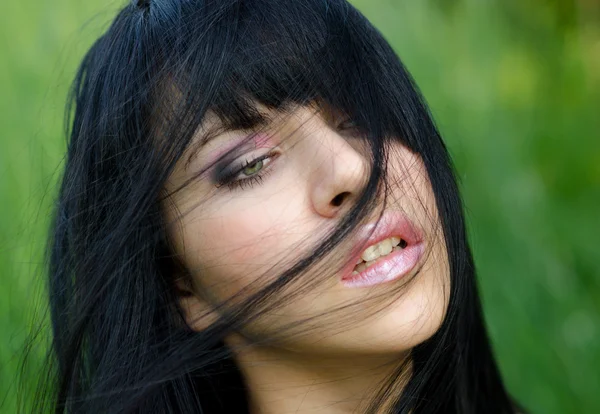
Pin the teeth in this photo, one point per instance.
(380, 249)
(370, 263)
(371, 253)
(360, 267)
(385, 247)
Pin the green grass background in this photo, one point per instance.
(515, 88)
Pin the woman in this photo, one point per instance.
(258, 215)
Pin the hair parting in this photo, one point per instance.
(141, 4)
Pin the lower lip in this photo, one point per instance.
(389, 268)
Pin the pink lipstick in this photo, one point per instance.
(388, 267)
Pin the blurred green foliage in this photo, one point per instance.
(515, 88)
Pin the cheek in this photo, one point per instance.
(228, 246)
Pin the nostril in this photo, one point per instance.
(339, 199)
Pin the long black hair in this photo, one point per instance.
(120, 342)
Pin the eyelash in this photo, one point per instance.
(257, 178)
(240, 184)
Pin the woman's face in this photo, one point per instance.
(243, 222)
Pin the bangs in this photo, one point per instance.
(230, 57)
(139, 98)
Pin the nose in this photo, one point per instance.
(340, 175)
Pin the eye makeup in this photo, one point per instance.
(223, 160)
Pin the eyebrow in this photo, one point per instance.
(220, 129)
(202, 141)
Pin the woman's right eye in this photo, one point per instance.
(252, 169)
(248, 173)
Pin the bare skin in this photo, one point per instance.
(234, 240)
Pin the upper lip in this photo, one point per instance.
(391, 223)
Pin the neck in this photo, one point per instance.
(281, 381)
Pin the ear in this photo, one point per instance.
(198, 313)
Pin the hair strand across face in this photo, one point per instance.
(120, 340)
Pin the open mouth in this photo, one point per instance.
(373, 254)
(394, 249)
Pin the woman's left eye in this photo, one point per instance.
(347, 124)
(349, 127)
